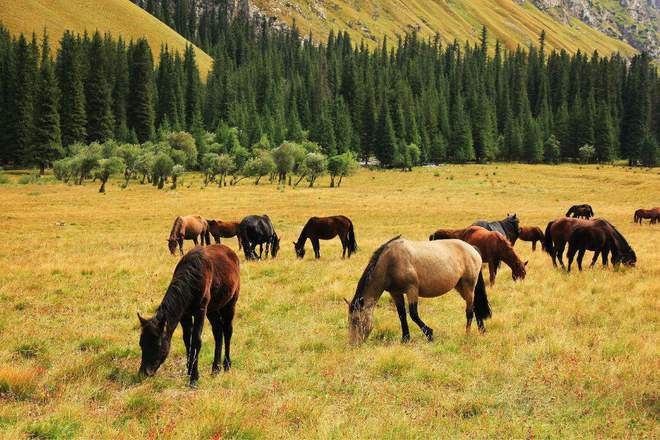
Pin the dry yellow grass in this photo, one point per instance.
(119, 17)
(511, 22)
(565, 356)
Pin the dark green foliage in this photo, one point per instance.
(140, 105)
(98, 98)
(73, 119)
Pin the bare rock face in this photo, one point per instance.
(634, 21)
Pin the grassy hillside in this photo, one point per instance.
(119, 17)
(565, 356)
(512, 23)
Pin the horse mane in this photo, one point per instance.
(176, 227)
(188, 277)
(620, 241)
(366, 275)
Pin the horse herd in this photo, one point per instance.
(206, 281)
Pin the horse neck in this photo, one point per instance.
(176, 227)
(175, 303)
(509, 255)
(302, 238)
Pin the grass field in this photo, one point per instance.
(513, 23)
(119, 17)
(565, 356)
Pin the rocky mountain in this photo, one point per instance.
(634, 21)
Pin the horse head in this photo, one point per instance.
(300, 250)
(519, 271)
(275, 245)
(155, 344)
(171, 245)
(360, 321)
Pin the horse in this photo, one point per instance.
(418, 269)
(601, 237)
(580, 211)
(509, 227)
(327, 228)
(493, 248)
(188, 228)
(652, 214)
(533, 234)
(205, 282)
(219, 229)
(258, 230)
(444, 234)
(557, 234)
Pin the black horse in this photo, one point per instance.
(258, 230)
(580, 211)
(509, 227)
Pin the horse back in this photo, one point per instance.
(223, 266)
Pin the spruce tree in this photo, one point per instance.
(100, 122)
(140, 107)
(47, 145)
(604, 135)
(461, 148)
(26, 66)
(385, 142)
(192, 93)
(73, 119)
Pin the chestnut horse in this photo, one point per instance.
(602, 237)
(327, 228)
(205, 282)
(578, 211)
(652, 214)
(509, 227)
(219, 229)
(188, 228)
(417, 269)
(492, 246)
(533, 234)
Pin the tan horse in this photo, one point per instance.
(188, 228)
(219, 229)
(418, 269)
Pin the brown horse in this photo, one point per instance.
(446, 234)
(652, 214)
(219, 229)
(601, 237)
(425, 269)
(533, 234)
(577, 211)
(188, 228)
(205, 282)
(327, 228)
(557, 233)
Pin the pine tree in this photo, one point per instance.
(120, 92)
(386, 142)
(73, 119)
(47, 136)
(140, 108)
(533, 142)
(461, 147)
(23, 132)
(7, 95)
(100, 122)
(604, 135)
(192, 94)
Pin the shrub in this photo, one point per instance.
(587, 153)
(27, 179)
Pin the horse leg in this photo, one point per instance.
(533, 245)
(594, 259)
(228, 329)
(261, 250)
(580, 257)
(412, 306)
(216, 326)
(467, 292)
(560, 254)
(195, 347)
(186, 326)
(401, 311)
(195, 240)
(344, 245)
(604, 256)
(317, 248)
(570, 254)
(181, 245)
(240, 245)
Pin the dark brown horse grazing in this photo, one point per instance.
(219, 229)
(446, 234)
(652, 214)
(580, 211)
(205, 282)
(188, 228)
(533, 234)
(557, 234)
(327, 228)
(602, 237)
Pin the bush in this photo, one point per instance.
(587, 153)
(551, 150)
(27, 179)
(4, 179)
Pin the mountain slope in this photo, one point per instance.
(511, 22)
(119, 17)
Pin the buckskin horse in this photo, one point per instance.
(327, 228)
(205, 282)
(417, 269)
(189, 227)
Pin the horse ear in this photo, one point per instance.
(525, 264)
(346, 301)
(143, 321)
(294, 243)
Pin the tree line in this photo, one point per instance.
(417, 100)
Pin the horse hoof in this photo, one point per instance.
(226, 366)
(429, 334)
(215, 370)
(193, 385)
(405, 339)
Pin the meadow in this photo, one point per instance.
(565, 356)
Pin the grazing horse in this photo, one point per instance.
(188, 228)
(533, 234)
(219, 229)
(205, 282)
(602, 237)
(509, 227)
(652, 214)
(580, 211)
(418, 269)
(327, 228)
(444, 234)
(493, 248)
(258, 230)
(557, 233)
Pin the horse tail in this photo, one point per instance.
(431, 237)
(547, 243)
(358, 299)
(352, 244)
(481, 305)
